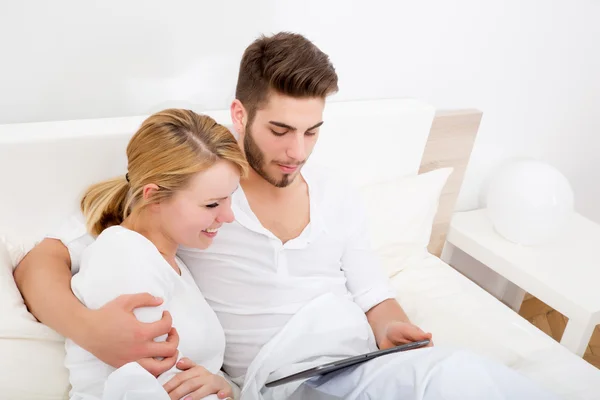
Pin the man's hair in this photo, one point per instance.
(287, 63)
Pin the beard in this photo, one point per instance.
(256, 159)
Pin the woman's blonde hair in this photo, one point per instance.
(167, 150)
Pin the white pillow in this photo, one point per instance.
(31, 354)
(401, 213)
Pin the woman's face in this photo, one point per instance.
(193, 215)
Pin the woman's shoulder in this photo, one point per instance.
(121, 238)
(117, 247)
(121, 261)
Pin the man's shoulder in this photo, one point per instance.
(336, 197)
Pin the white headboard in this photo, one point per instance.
(44, 167)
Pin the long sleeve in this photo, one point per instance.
(365, 276)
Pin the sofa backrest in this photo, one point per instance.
(45, 167)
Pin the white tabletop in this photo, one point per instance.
(565, 273)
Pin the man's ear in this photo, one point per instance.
(239, 117)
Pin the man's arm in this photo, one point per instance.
(47, 290)
(392, 327)
(383, 313)
(112, 333)
(368, 283)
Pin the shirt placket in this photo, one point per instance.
(281, 264)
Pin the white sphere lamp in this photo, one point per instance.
(529, 202)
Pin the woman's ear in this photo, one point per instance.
(148, 191)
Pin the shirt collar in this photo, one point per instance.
(246, 217)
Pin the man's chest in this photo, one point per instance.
(284, 219)
(287, 225)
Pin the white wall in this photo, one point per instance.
(533, 67)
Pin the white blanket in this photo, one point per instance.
(326, 329)
(331, 328)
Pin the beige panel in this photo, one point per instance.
(450, 144)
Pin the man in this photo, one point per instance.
(296, 261)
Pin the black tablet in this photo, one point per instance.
(347, 362)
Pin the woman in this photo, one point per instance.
(182, 169)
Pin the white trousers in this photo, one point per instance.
(435, 373)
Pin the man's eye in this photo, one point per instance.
(310, 133)
(276, 133)
(213, 205)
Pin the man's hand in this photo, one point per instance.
(196, 383)
(392, 327)
(397, 333)
(157, 366)
(114, 335)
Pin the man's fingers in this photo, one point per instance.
(161, 349)
(137, 300)
(173, 337)
(400, 334)
(160, 327)
(157, 367)
(415, 334)
(407, 333)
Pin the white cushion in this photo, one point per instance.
(32, 355)
(401, 213)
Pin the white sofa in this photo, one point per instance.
(45, 166)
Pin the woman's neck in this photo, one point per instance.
(147, 226)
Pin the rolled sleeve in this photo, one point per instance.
(73, 234)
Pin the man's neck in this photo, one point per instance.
(256, 184)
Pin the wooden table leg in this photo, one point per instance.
(577, 335)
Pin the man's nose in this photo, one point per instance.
(296, 149)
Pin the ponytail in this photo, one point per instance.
(105, 204)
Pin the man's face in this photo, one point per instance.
(282, 136)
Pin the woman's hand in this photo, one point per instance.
(195, 383)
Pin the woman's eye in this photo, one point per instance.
(213, 205)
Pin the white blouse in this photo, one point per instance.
(121, 261)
